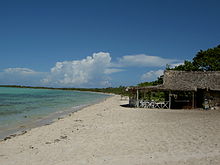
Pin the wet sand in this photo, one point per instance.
(107, 133)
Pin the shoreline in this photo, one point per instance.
(92, 90)
(109, 133)
(23, 128)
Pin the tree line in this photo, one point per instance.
(205, 60)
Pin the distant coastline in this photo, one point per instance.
(110, 90)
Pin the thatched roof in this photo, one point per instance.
(191, 80)
(188, 81)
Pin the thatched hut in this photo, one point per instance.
(186, 89)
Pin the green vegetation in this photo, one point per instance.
(152, 83)
(117, 90)
(207, 60)
(156, 96)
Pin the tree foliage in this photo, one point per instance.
(156, 96)
(152, 83)
(186, 66)
(207, 60)
(116, 90)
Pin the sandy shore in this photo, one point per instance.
(107, 133)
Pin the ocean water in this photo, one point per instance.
(24, 108)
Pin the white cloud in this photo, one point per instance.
(143, 60)
(176, 64)
(152, 75)
(89, 72)
(113, 70)
(22, 71)
(21, 76)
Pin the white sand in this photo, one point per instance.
(107, 133)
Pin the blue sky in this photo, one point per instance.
(101, 43)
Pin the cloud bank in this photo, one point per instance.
(143, 60)
(21, 76)
(152, 75)
(89, 72)
(93, 71)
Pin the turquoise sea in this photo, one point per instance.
(25, 108)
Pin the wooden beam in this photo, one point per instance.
(137, 98)
(193, 100)
(169, 99)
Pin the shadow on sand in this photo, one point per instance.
(126, 105)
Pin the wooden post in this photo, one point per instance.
(193, 100)
(169, 99)
(137, 98)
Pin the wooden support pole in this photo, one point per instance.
(169, 99)
(137, 98)
(193, 100)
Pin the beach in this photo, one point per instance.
(108, 133)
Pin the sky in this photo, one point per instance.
(101, 43)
